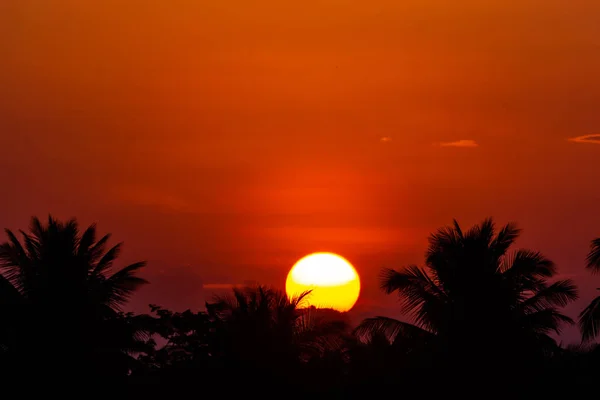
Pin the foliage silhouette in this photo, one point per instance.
(589, 319)
(474, 295)
(255, 333)
(474, 304)
(593, 259)
(270, 332)
(190, 348)
(61, 299)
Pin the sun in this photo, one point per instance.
(333, 281)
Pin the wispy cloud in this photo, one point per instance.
(591, 139)
(468, 143)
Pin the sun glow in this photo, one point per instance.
(333, 281)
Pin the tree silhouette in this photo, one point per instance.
(264, 333)
(190, 349)
(589, 319)
(61, 299)
(259, 325)
(476, 302)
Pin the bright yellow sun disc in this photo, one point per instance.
(332, 280)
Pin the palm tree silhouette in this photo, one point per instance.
(61, 299)
(589, 319)
(476, 302)
(265, 333)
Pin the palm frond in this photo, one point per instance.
(419, 295)
(10, 263)
(446, 237)
(558, 294)
(593, 259)
(392, 280)
(457, 229)
(445, 247)
(391, 328)
(317, 334)
(545, 321)
(297, 301)
(15, 262)
(117, 289)
(106, 262)
(14, 242)
(483, 233)
(505, 239)
(323, 345)
(86, 241)
(32, 245)
(589, 320)
(527, 264)
(241, 299)
(98, 249)
(36, 227)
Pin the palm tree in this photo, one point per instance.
(264, 333)
(474, 301)
(589, 319)
(61, 297)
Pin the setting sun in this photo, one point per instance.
(333, 281)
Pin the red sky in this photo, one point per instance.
(222, 140)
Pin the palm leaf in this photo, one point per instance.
(505, 239)
(32, 244)
(317, 335)
(15, 262)
(241, 299)
(391, 328)
(117, 289)
(98, 249)
(545, 321)
(482, 233)
(10, 263)
(443, 251)
(86, 242)
(14, 242)
(593, 259)
(457, 230)
(558, 294)
(36, 227)
(589, 320)
(106, 262)
(446, 237)
(419, 295)
(528, 265)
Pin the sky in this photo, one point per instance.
(222, 140)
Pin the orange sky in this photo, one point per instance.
(222, 140)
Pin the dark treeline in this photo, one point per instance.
(485, 318)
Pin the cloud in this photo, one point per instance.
(591, 139)
(460, 143)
